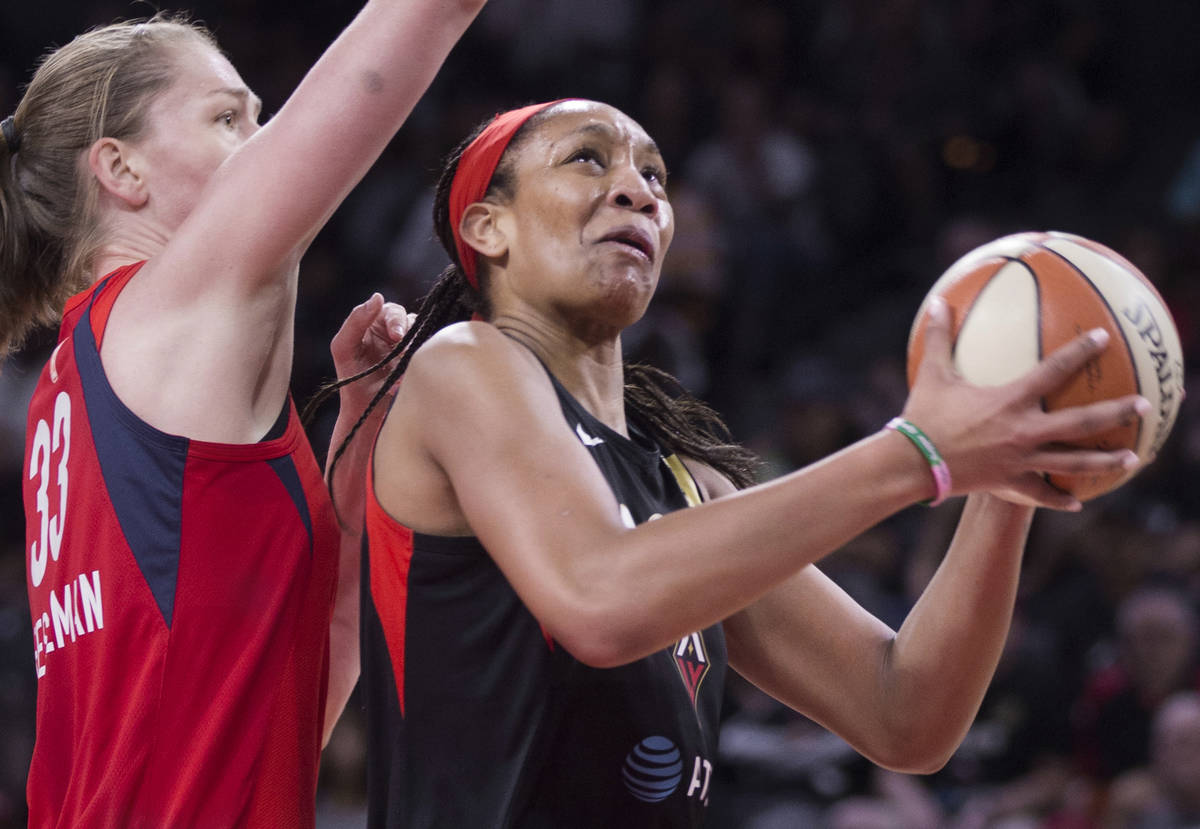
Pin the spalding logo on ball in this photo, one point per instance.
(1017, 299)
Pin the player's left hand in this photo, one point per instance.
(371, 331)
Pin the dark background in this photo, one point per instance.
(828, 160)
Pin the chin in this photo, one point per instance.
(628, 291)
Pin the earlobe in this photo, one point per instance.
(110, 162)
(481, 229)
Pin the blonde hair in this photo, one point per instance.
(100, 84)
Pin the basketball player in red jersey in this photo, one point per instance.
(183, 554)
(544, 620)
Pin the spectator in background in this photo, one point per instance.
(1156, 656)
(762, 182)
(1165, 793)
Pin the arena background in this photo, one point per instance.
(828, 160)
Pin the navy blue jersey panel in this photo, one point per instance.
(143, 472)
(285, 468)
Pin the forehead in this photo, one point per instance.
(572, 121)
(201, 70)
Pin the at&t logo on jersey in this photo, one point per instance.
(653, 771)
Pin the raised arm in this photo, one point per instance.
(218, 299)
(276, 191)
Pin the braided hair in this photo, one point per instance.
(656, 401)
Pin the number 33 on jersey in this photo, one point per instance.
(74, 607)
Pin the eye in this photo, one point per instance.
(655, 175)
(586, 155)
(228, 118)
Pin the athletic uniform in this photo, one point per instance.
(477, 719)
(181, 594)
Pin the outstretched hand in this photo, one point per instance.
(999, 438)
(371, 331)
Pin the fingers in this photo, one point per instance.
(355, 327)
(360, 317)
(1083, 461)
(1064, 362)
(395, 321)
(1034, 490)
(1080, 422)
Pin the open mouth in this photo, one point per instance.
(633, 238)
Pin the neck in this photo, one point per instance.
(126, 246)
(590, 369)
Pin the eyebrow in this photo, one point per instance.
(605, 131)
(245, 95)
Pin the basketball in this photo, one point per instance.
(1015, 300)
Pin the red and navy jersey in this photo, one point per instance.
(477, 719)
(181, 594)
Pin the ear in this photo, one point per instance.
(481, 229)
(113, 164)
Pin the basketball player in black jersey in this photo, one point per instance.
(544, 628)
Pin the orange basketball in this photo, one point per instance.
(1015, 300)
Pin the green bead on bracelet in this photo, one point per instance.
(941, 472)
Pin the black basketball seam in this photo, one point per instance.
(1124, 340)
(1041, 351)
(975, 301)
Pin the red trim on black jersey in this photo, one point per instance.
(389, 577)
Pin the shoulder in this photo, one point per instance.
(469, 351)
(470, 343)
(470, 370)
(712, 484)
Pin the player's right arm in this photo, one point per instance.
(498, 461)
(218, 301)
(277, 190)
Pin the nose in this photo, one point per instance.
(630, 191)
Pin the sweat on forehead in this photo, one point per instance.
(618, 124)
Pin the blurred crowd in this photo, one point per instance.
(828, 160)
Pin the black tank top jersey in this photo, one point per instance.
(476, 719)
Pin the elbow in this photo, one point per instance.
(600, 638)
(596, 654)
(915, 762)
(595, 618)
(909, 750)
(598, 647)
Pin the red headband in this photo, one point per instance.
(476, 166)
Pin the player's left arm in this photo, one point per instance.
(370, 331)
(904, 699)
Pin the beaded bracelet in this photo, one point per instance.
(941, 472)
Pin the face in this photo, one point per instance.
(193, 126)
(1176, 746)
(1157, 644)
(589, 223)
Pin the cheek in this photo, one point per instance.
(192, 171)
(552, 237)
(666, 220)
